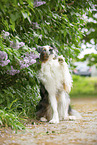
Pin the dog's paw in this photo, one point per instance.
(54, 121)
(43, 119)
(75, 118)
(66, 118)
(60, 59)
(72, 118)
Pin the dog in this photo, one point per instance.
(55, 85)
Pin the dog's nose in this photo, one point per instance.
(44, 50)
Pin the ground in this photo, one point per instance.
(82, 132)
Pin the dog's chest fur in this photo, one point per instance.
(51, 75)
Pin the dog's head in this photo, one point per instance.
(46, 52)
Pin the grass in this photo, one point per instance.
(84, 87)
(10, 119)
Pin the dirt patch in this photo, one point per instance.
(66, 132)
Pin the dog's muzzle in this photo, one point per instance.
(44, 56)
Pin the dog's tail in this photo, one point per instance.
(74, 115)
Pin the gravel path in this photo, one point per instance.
(82, 132)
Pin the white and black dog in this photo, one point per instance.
(56, 83)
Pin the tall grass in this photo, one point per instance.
(84, 87)
(10, 119)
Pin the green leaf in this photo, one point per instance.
(25, 15)
(12, 103)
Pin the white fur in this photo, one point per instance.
(54, 74)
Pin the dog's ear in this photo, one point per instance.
(51, 46)
(51, 50)
(54, 48)
(39, 49)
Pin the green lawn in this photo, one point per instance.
(84, 87)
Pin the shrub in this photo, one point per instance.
(24, 26)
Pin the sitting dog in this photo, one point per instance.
(56, 83)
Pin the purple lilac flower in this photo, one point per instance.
(35, 25)
(3, 55)
(16, 44)
(13, 71)
(5, 34)
(29, 59)
(4, 63)
(4, 58)
(34, 48)
(39, 3)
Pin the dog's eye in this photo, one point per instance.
(51, 50)
(44, 50)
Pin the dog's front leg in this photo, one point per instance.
(53, 102)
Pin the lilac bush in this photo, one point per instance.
(20, 58)
(35, 25)
(13, 71)
(4, 58)
(5, 34)
(16, 44)
(39, 3)
(29, 59)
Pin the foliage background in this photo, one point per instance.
(24, 26)
(84, 87)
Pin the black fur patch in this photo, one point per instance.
(41, 108)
